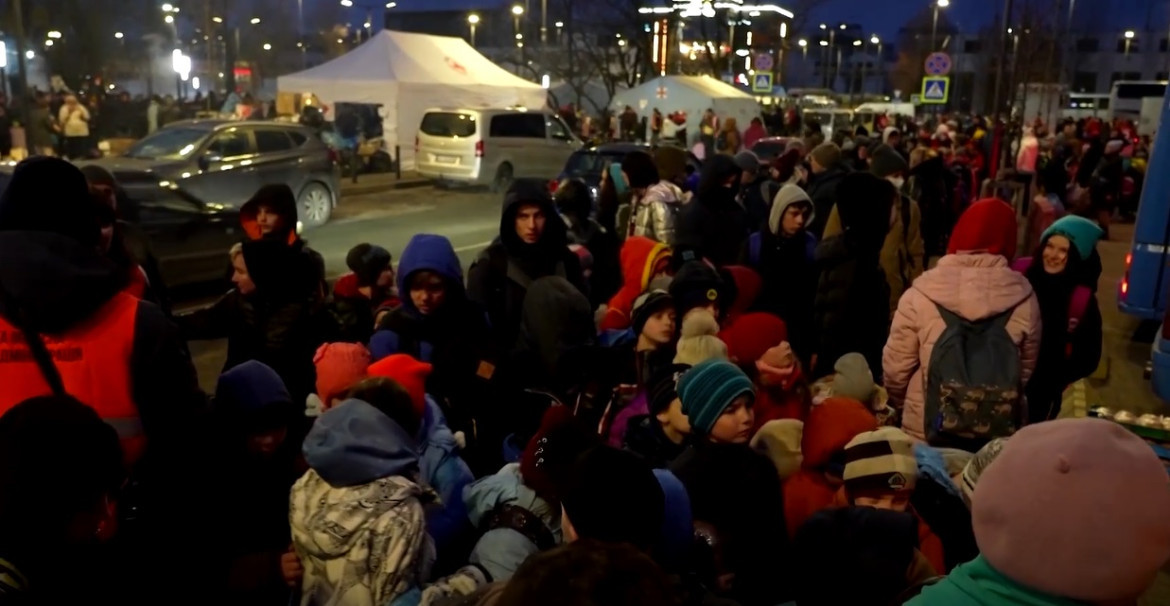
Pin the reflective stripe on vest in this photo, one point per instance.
(93, 358)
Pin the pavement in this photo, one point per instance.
(378, 182)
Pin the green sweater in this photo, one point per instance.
(976, 583)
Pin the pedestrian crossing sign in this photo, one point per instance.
(762, 82)
(936, 89)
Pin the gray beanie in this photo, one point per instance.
(854, 379)
(747, 161)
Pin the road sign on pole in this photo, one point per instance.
(762, 82)
(938, 64)
(936, 90)
(763, 62)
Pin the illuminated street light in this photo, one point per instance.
(391, 4)
(168, 7)
(29, 55)
(875, 40)
(169, 19)
(824, 42)
(843, 26)
(217, 19)
(1129, 34)
(347, 3)
(56, 35)
(267, 46)
(255, 20)
(559, 24)
(119, 35)
(803, 43)
(944, 3)
(48, 43)
(473, 19)
(517, 10)
(823, 26)
(857, 43)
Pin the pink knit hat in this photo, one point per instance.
(339, 366)
(1077, 508)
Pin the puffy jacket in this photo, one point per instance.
(502, 550)
(656, 211)
(976, 583)
(974, 287)
(639, 257)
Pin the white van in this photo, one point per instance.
(492, 146)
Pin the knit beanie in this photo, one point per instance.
(747, 161)
(978, 463)
(696, 284)
(779, 440)
(886, 161)
(50, 195)
(1081, 232)
(611, 495)
(646, 305)
(708, 389)
(367, 262)
(548, 457)
(409, 373)
(698, 342)
(663, 387)
(778, 365)
(827, 155)
(987, 226)
(339, 366)
(1075, 508)
(853, 379)
(751, 335)
(880, 462)
(787, 196)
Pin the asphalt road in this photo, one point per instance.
(470, 218)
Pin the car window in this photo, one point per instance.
(298, 138)
(769, 149)
(526, 125)
(448, 124)
(168, 143)
(231, 143)
(272, 141)
(557, 129)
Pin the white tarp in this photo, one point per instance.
(693, 95)
(408, 73)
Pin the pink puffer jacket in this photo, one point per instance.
(975, 287)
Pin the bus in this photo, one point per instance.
(1085, 105)
(1143, 290)
(1125, 98)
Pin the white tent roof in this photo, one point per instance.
(408, 58)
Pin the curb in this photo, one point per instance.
(360, 189)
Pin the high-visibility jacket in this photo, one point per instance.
(93, 359)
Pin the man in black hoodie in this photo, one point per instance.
(532, 245)
(271, 214)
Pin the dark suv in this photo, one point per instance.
(224, 162)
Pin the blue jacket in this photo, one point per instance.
(441, 468)
(503, 550)
(424, 252)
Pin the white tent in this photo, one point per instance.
(408, 73)
(693, 95)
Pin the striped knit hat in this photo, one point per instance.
(881, 462)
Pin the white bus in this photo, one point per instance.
(1086, 105)
(1125, 99)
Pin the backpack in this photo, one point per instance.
(973, 387)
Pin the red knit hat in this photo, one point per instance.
(751, 335)
(987, 226)
(407, 372)
(339, 366)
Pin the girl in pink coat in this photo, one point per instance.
(973, 281)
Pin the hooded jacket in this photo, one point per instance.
(788, 267)
(656, 211)
(714, 225)
(829, 428)
(501, 275)
(354, 312)
(556, 330)
(502, 550)
(357, 517)
(972, 286)
(639, 256)
(282, 201)
(976, 583)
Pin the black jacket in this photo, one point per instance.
(645, 437)
(757, 200)
(822, 189)
(789, 271)
(714, 226)
(852, 308)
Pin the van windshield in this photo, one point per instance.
(448, 124)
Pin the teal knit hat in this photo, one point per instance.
(1082, 232)
(708, 389)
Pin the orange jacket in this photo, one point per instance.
(93, 358)
(640, 258)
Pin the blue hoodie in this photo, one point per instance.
(355, 444)
(250, 392)
(427, 252)
(678, 525)
(446, 473)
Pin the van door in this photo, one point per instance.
(518, 140)
(561, 144)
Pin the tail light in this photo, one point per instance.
(479, 148)
(1125, 278)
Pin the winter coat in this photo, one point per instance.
(645, 437)
(357, 516)
(757, 200)
(753, 134)
(39, 130)
(974, 287)
(775, 401)
(714, 226)
(736, 490)
(74, 121)
(976, 583)
(353, 312)
(280, 199)
(789, 271)
(903, 252)
(500, 276)
(640, 256)
(502, 550)
(441, 468)
(852, 308)
(604, 246)
(822, 188)
(656, 213)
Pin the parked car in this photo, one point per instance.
(588, 164)
(190, 238)
(770, 148)
(224, 162)
(492, 146)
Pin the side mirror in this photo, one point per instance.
(207, 159)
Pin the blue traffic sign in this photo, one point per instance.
(763, 62)
(762, 82)
(936, 89)
(938, 64)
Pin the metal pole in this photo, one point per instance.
(1007, 15)
(934, 29)
(18, 17)
(473, 35)
(544, 22)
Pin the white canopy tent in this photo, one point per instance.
(408, 73)
(693, 95)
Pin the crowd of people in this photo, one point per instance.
(824, 380)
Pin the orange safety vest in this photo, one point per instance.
(93, 359)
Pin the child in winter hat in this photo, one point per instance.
(783, 391)
(653, 319)
(339, 366)
(854, 380)
(717, 398)
(880, 469)
(1071, 510)
(780, 441)
(698, 342)
(407, 372)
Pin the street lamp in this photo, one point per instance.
(255, 21)
(824, 42)
(560, 29)
(517, 10)
(119, 35)
(1129, 35)
(55, 35)
(472, 21)
(934, 27)
(267, 47)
